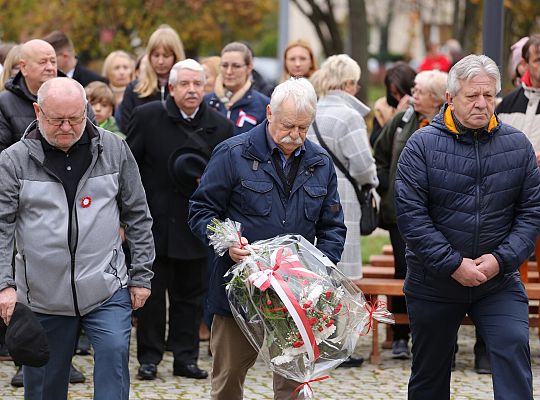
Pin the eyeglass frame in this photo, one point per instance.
(70, 121)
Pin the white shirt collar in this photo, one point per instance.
(185, 116)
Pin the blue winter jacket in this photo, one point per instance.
(246, 113)
(241, 183)
(464, 195)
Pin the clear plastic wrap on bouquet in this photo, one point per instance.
(297, 309)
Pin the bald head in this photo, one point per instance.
(64, 88)
(38, 63)
(61, 112)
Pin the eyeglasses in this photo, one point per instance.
(59, 121)
(234, 67)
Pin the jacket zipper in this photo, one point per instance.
(477, 200)
(71, 250)
(73, 215)
(26, 280)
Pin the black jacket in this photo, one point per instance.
(17, 111)
(84, 76)
(156, 132)
(131, 100)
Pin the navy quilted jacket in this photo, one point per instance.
(464, 195)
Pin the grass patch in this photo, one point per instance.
(373, 244)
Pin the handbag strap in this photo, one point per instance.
(337, 163)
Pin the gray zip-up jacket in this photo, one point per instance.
(53, 276)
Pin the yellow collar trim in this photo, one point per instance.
(451, 125)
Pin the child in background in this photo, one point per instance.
(101, 98)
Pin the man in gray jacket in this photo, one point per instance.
(64, 190)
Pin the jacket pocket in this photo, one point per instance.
(256, 197)
(313, 201)
(112, 267)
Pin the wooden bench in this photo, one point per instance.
(394, 287)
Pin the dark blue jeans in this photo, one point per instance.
(108, 327)
(502, 319)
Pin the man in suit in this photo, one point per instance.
(171, 143)
(68, 62)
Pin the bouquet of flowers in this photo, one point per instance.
(295, 307)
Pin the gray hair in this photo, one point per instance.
(435, 82)
(44, 89)
(334, 73)
(300, 90)
(469, 67)
(188, 63)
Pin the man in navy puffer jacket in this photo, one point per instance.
(468, 207)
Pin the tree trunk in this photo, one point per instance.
(471, 26)
(384, 28)
(324, 23)
(456, 29)
(358, 31)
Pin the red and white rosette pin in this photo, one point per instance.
(86, 201)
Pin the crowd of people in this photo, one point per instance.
(110, 230)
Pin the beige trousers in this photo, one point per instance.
(233, 356)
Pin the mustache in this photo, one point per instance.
(288, 140)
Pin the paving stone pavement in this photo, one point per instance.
(387, 381)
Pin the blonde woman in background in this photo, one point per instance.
(211, 70)
(298, 60)
(11, 65)
(164, 49)
(340, 120)
(119, 69)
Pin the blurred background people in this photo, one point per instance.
(429, 95)
(517, 65)
(4, 50)
(434, 59)
(11, 66)
(119, 69)
(101, 99)
(258, 82)
(140, 65)
(211, 70)
(521, 108)
(399, 81)
(67, 60)
(340, 121)
(233, 94)
(164, 49)
(454, 50)
(298, 60)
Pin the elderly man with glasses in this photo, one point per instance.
(66, 186)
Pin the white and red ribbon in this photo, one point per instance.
(291, 265)
(243, 117)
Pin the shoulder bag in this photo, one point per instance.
(369, 217)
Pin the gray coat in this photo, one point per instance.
(340, 118)
(53, 276)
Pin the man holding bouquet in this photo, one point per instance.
(273, 181)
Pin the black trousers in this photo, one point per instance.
(399, 306)
(185, 282)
